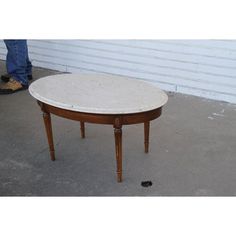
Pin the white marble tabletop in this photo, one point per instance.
(97, 93)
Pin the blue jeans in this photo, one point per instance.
(17, 61)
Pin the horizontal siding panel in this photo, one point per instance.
(3, 50)
(138, 60)
(207, 94)
(225, 79)
(226, 45)
(151, 44)
(158, 53)
(49, 65)
(2, 57)
(174, 48)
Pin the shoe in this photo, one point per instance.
(12, 86)
(5, 78)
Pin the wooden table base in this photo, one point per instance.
(117, 120)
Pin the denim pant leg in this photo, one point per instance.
(29, 65)
(16, 60)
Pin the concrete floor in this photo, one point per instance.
(192, 151)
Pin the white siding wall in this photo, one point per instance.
(204, 68)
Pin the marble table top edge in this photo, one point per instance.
(48, 98)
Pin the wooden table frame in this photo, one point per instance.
(117, 120)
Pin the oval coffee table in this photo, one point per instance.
(100, 99)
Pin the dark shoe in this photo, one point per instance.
(12, 86)
(5, 78)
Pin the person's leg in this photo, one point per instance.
(17, 60)
(5, 78)
(16, 67)
(29, 65)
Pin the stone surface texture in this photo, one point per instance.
(96, 93)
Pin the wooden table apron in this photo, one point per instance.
(117, 120)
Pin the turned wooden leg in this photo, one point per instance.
(48, 127)
(146, 135)
(82, 129)
(118, 144)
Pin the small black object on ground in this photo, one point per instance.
(146, 183)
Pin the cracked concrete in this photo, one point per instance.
(190, 153)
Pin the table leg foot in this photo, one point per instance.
(146, 136)
(48, 127)
(119, 177)
(52, 155)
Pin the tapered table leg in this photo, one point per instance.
(146, 136)
(118, 144)
(82, 129)
(48, 127)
